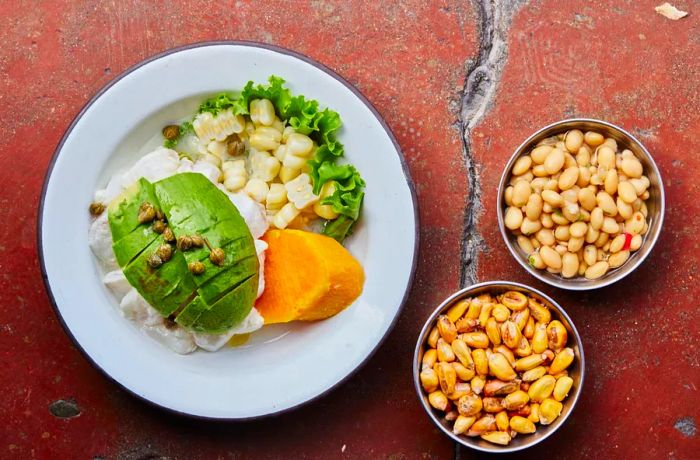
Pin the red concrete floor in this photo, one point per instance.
(619, 61)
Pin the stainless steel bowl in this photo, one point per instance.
(576, 371)
(655, 203)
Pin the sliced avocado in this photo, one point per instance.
(124, 210)
(213, 301)
(230, 310)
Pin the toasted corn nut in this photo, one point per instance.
(457, 310)
(493, 331)
(463, 373)
(534, 416)
(452, 415)
(549, 354)
(523, 411)
(447, 329)
(497, 437)
(466, 324)
(461, 389)
(447, 376)
(429, 380)
(476, 339)
(444, 351)
(561, 361)
(500, 312)
(462, 424)
(522, 425)
(510, 334)
(433, 337)
(539, 338)
(485, 313)
(482, 425)
(529, 329)
(478, 384)
(470, 404)
(542, 388)
(493, 404)
(497, 387)
(502, 421)
(516, 400)
(514, 300)
(520, 318)
(549, 411)
(562, 387)
(438, 400)
(463, 353)
(481, 363)
(500, 368)
(540, 312)
(524, 348)
(529, 362)
(474, 309)
(534, 374)
(524, 386)
(556, 335)
(429, 359)
(505, 351)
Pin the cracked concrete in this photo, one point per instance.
(481, 84)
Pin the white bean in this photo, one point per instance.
(596, 270)
(632, 167)
(550, 257)
(618, 259)
(569, 265)
(533, 209)
(525, 244)
(521, 193)
(539, 154)
(554, 161)
(627, 192)
(513, 218)
(578, 229)
(590, 254)
(522, 165)
(528, 227)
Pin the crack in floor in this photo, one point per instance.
(483, 75)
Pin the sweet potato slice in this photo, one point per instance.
(307, 277)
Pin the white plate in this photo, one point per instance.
(282, 366)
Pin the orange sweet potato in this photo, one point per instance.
(307, 277)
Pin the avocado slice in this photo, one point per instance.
(230, 310)
(213, 301)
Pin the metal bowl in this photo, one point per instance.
(576, 370)
(655, 203)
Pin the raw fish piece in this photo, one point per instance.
(117, 283)
(100, 241)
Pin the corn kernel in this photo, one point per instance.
(540, 312)
(481, 363)
(541, 389)
(529, 362)
(529, 329)
(500, 367)
(539, 338)
(465, 374)
(497, 437)
(492, 404)
(510, 334)
(265, 138)
(429, 359)
(262, 112)
(516, 400)
(522, 425)
(299, 144)
(556, 335)
(495, 387)
(514, 300)
(482, 425)
(485, 313)
(534, 416)
(429, 380)
(562, 387)
(500, 312)
(476, 339)
(561, 361)
(470, 404)
(549, 411)
(438, 400)
(447, 377)
(505, 351)
(502, 421)
(478, 384)
(493, 331)
(447, 329)
(433, 336)
(456, 311)
(462, 424)
(444, 351)
(474, 309)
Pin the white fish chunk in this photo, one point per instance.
(210, 171)
(252, 212)
(260, 248)
(117, 283)
(100, 241)
(212, 342)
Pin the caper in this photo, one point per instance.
(197, 241)
(184, 242)
(196, 268)
(171, 132)
(146, 212)
(154, 260)
(96, 208)
(159, 226)
(160, 215)
(168, 235)
(165, 252)
(234, 146)
(217, 256)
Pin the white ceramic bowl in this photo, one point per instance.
(282, 366)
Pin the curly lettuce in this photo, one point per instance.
(306, 117)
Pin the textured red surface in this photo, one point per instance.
(619, 61)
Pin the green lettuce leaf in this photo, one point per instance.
(339, 228)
